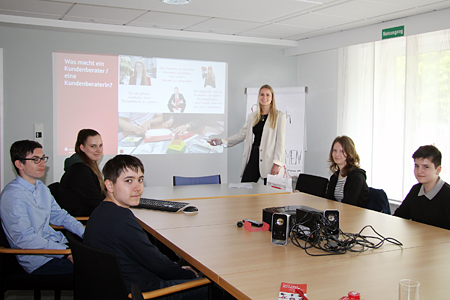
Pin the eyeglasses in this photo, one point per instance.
(37, 160)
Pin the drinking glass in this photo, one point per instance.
(409, 289)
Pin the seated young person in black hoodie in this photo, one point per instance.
(113, 227)
(348, 182)
(428, 201)
(81, 187)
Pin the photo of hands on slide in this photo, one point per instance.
(153, 133)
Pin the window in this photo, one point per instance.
(394, 96)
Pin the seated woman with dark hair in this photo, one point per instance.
(348, 182)
(82, 188)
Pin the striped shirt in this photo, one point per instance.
(339, 190)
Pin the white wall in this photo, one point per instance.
(27, 54)
(318, 71)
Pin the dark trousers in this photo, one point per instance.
(55, 266)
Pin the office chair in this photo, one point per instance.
(98, 275)
(136, 293)
(312, 184)
(378, 201)
(14, 277)
(179, 180)
(54, 190)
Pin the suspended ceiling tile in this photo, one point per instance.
(361, 9)
(33, 8)
(247, 10)
(233, 17)
(102, 14)
(409, 3)
(317, 20)
(166, 20)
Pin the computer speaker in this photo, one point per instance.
(280, 228)
(332, 221)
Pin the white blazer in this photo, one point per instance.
(271, 150)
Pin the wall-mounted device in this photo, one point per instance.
(39, 133)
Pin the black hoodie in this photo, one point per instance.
(79, 188)
(356, 190)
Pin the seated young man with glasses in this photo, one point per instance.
(27, 208)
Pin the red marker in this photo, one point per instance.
(300, 292)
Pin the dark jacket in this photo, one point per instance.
(173, 104)
(356, 190)
(79, 189)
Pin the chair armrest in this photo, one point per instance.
(76, 218)
(174, 288)
(4, 250)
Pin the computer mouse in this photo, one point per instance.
(190, 210)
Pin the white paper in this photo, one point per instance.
(242, 185)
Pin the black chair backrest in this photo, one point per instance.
(54, 190)
(378, 201)
(180, 180)
(136, 293)
(97, 272)
(9, 262)
(312, 184)
(14, 277)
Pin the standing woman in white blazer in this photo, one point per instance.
(263, 135)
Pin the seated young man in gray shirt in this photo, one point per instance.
(428, 201)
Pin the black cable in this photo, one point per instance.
(327, 237)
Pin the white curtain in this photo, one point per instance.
(394, 96)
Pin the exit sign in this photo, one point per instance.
(393, 32)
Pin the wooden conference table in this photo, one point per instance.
(248, 266)
(186, 192)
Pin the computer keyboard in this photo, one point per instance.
(161, 205)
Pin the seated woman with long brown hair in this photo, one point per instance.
(348, 182)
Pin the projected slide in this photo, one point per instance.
(140, 105)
